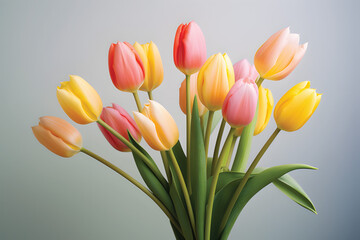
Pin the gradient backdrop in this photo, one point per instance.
(43, 196)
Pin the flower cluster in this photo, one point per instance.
(201, 194)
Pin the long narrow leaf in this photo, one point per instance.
(180, 158)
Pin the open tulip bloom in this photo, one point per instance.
(201, 193)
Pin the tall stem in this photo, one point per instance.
(150, 95)
(207, 133)
(188, 131)
(166, 165)
(136, 183)
(231, 152)
(183, 188)
(137, 100)
(217, 145)
(210, 203)
(246, 178)
(153, 167)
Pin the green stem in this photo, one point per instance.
(210, 203)
(183, 188)
(207, 133)
(150, 95)
(152, 166)
(136, 183)
(137, 100)
(231, 151)
(246, 178)
(217, 145)
(188, 131)
(166, 165)
(259, 81)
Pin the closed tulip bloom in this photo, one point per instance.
(279, 55)
(125, 66)
(157, 126)
(243, 69)
(215, 79)
(151, 59)
(193, 91)
(189, 48)
(240, 103)
(266, 105)
(296, 107)
(59, 136)
(117, 118)
(79, 100)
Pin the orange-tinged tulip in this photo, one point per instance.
(151, 59)
(215, 79)
(157, 126)
(79, 100)
(59, 136)
(189, 48)
(193, 91)
(266, 105)
(296, 107)
(279, 55)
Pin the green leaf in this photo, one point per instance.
(198, 172)
(177, 234)
(216, 119)
(254, 185)
(293, 190)
(181, 158)
(150, 179)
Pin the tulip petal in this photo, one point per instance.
(148, 131)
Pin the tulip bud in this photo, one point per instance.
(157, 126)
(279, 55)
(266, 104)
(240, 103)
(59, 136)
(193, 90)
(189, 48)
(125, 66)
(215, 79)
(296, 107)
(243, 69)
(117, 118)
(79, 100)
(151, 59)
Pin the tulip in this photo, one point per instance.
(79, 100)
(157, 126)
(117, 118)
(279, 55)
(215, 79)
(266, 104)
(189, 48)
(125, 66)
(153, 67)
(193, 91)
(59, 136)
(240, 103)
(296, 107)
(243, 69)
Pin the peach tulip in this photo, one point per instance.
(59, 136)
(279, 55)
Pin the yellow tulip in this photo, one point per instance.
(296, 107)
(79, 100)
(151, 59)
(266, 105)
(157, 126)
(215, 79)
(59, 136)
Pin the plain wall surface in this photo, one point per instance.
(43, 196)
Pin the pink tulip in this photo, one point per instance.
(243, 69)
(240, 103)
(189, 48)
(125, 66)
(122, 122)
(279, 55)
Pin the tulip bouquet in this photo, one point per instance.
(202, 194)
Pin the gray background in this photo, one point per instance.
(43, 196)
